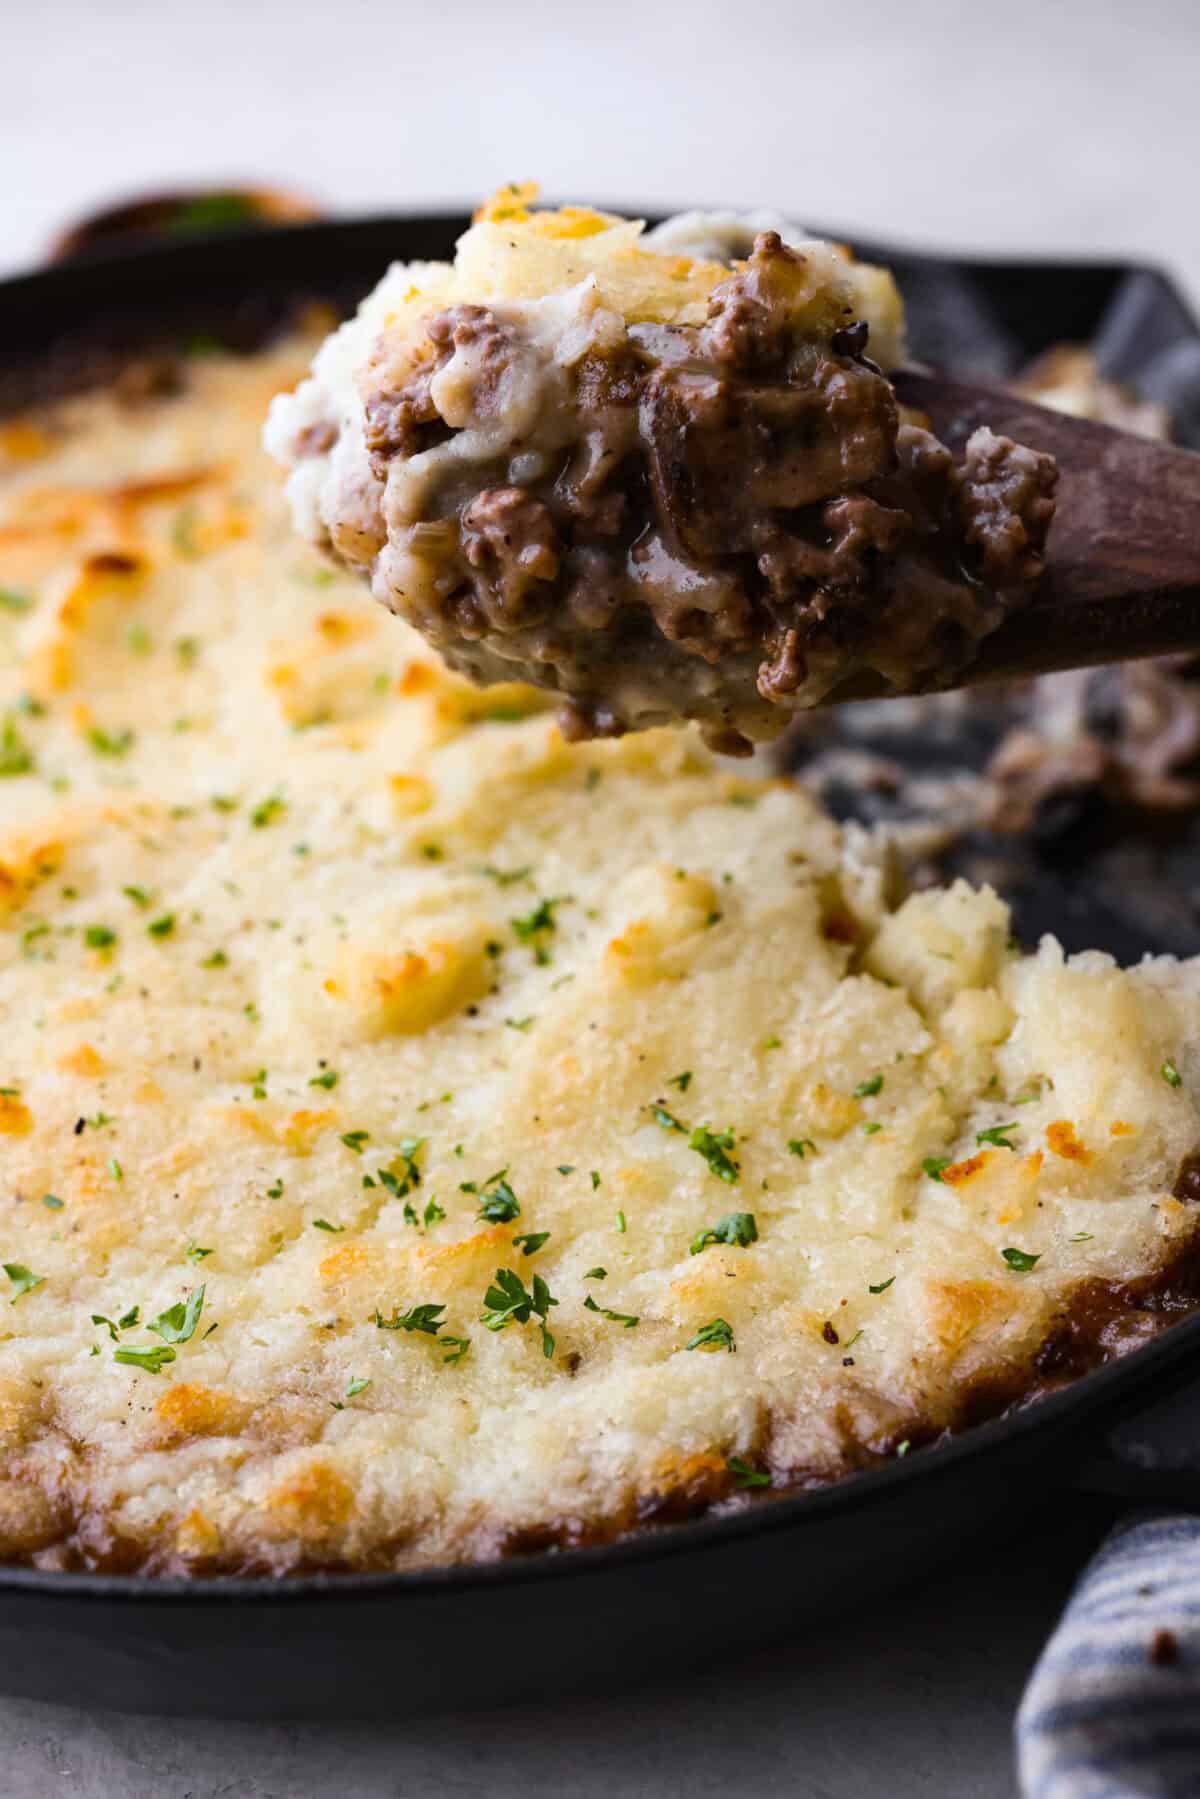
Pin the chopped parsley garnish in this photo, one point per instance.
(883, 1285)
(626, 1318)
(433, 1212)
(536, 926)
(275, 1191)
(508, 1301)
(356, 1140)
(738, 1228)
(195, 1252)
(666, 1119)
(402, 1173)
(357, 1385)
(682, 1081)
(595, 1179)
(12, 600)
(506, 877)
(714, 1147)
(328, 1079)
(868, 1088)
(802, 1146)
(126, 1322)
(138, 640)
(498, 1203)
(566, 1168)
(23, 1280)
(152, 1359)
(218, 959)
(115, 1169)
(458, 1347)
(519, 1024)
(425, 1318)
(323, 1224)
(998, 1135)
(1020, 1260)
(870, 1127)
(161, 927)
(99, 936)
(596, 1274)
(110, 743)
(745, 1475)
(1171, 1074)
(267, 811)
(620, 1224)
(716, 1334)
(30, 935)
(138, 895)
(52, 1202)
(16, 758)
(1080, 1237)
(178, 1323)
(933, 1166)
(530, 1241)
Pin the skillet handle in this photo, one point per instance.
(1154, 1455)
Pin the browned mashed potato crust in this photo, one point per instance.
(717, 519)
(330, 988)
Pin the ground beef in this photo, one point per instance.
(719, 521)
(511, 540)
(395, 419)
(1007, 503)
(400, 413)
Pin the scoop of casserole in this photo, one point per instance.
(655, 479)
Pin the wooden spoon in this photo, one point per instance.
(1123, 570)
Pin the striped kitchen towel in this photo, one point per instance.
(1113, 1708)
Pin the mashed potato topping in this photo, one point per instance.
(421, 1137)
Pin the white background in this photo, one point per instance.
(1034, 124)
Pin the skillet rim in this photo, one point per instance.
(362, 230)
(1071, 1406)
(224, 254)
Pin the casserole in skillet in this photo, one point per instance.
(429, 1140)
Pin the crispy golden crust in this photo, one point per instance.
(279, 897)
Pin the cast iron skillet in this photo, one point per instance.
(355, 1645)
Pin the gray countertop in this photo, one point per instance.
(913, 1700)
